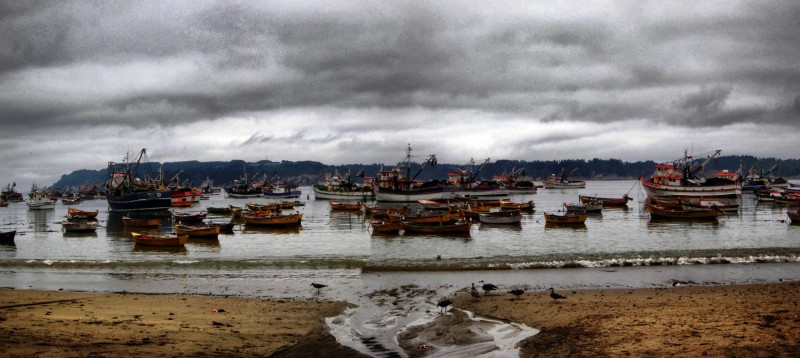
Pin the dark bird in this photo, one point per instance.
(517, 292)
(488, 287)
(474, 292)
(318, 285)
(443, 303)
(556, 296)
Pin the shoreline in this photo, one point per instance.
(713, 320)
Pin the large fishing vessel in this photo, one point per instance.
(126, 191)
(683, 178)
(339, 187)
(398, 185)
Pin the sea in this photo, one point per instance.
(617, 248)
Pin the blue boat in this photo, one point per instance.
(125, 191)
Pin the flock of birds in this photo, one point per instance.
(444, 302)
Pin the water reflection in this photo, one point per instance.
(277, 230)
(169, 249)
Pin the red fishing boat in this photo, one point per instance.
(159, 240)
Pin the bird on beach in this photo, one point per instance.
(556, 296)
(474, 292)
(318, 285)
(443, 303)
(488, 287)
(517, 292)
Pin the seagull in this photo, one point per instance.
(556, 296)
(443, 303)
(474, 292)
(517, 292)
(318, 285)
(488, 287)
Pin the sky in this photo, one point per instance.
(344, 82)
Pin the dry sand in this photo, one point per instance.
(718, 321)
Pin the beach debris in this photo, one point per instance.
(556, 296)
(217, 310)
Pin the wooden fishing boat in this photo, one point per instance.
(380, 226)
(197, 231)
(134, 222)
(681, 178)
(337, 205)
(607, 202)
(425, 217)
(79, 225)
(433, 204)
(166, 240)
(219, 210)
(273, 219)
(596, 207)
(794, 216)
(226, 227)
(506, 217)
(564, 219)
(660, 212)
(189, 217)
(7, 237)
(74, 213)
(458, 227)
(525, 206)
(262, 206)
(70, 200)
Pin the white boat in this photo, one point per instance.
(562, 182)
(39, 200)
(682, 178)
(337, 187)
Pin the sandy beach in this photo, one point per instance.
(719, 320)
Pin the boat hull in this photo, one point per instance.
(159, 240)
(273, 220)
(455, 228)
(658, 190)
(412, 195)
(321, 192)
(140, 201)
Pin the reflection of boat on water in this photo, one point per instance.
(128, 192)
(140, 222)
(682, 178)
(458, 227)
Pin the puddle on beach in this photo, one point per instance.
(406, 322)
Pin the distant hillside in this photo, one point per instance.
(309, 172)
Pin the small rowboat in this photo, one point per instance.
(507, 217)
(336, 205)
(458, 227)
(607, 202)
(564, 219)
(427, 217)
(197, 231)
(379, 226)
(74, 213)
(189, 217)
(7, 236)
(660, 212)
(132, 222)
(273, 219)
(79, 225)
(433, 205)
(159, 240)
(794, 216)
(263, 206)
(578, 208)
(219, 210)
(526, 206)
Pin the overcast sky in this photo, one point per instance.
(82, 83)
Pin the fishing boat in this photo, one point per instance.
(10, 194)
(524, 206)
(562, 181)
(188, 217)
(71, 200)
(197, 231)
(683, 178)
(515, 182)
(458, 227)
(219, 210)
(283, 192)
(127, 192)
(465, 182)
(39, 200)
(7, 237)
(140, 222)
(79, 225)
(506, 217)
(272, 219)
(399, 185)
(165, 240)
(564, 219)
(335, 205)
(74, 213)
(380, 226)
(794, 216)
(424, 217)
(245, 187)
(607, 202)
(594, 207)
(262, 206)
(226, 226)
(338, 187)
(683, 213)
(184, 197)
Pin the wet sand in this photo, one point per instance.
(719, 320)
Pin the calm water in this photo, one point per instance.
(617, 248)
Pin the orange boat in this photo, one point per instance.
(564, 219)
(159, 240)
(131, 222)
(273, 219)
(336, 205)
(379, 226)
(794, 216)
(686, 213)
(426, 217)
(74, 213)
(197, 231)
